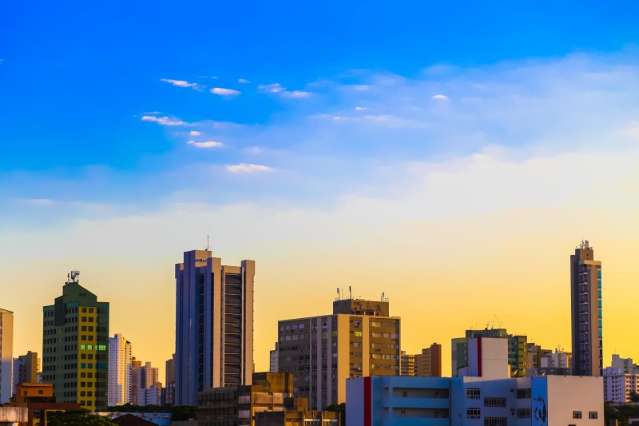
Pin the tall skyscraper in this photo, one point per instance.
(75, 343)
(360, 338)
(25, 369)
(214, 324)
(6, 355)
(586, 301)
(119, 370)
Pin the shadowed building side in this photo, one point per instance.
(214, 325)
(586, 303)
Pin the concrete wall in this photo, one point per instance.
(573, 393)
(488, 358)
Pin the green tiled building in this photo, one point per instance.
(75, 352)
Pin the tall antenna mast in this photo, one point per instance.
(208, 242)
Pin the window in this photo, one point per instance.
(576, 414)
(523, 413)
(495, 421)
(523, 393)
(473, 413)
(473, 393)
(593, 415)
(495, 402)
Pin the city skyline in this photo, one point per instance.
(440, 154)
(540, 338)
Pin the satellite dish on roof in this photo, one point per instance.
(73, 276)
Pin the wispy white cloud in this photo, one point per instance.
(180, 83)
(243, 81)
(38, 202)
(439, 97)
(279, 90)
(271, 88)
(205, 144)
(248, 168)
(163, 120)
(254, 150)
(223, 91)
(296, 94)
(195, 133)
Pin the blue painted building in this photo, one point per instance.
(474, 401)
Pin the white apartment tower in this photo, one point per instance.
(119, 370)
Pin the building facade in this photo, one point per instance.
(360, 338)
(75, 342)
(475, 401)
(274, 360)
(119, 371)
(268, 401)
(626, 365)
(135, 380)
(6, 355)
(621, 380)
(214, 324)
(169, 381)
(238, 405)
(25, 369)
(620, 386)
(407, 364)
(429, 362)
(586, 304)
(518, 350)
(145, 386)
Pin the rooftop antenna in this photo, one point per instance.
(208, 242)
(350, 292)
(338, 295)
(73, 276)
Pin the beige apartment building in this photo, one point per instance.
(359, 338)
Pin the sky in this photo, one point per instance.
(448, 155)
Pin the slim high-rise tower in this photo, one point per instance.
(585, 286)
(214, 325)
(75, 342)
(6, 355)
(119, 370)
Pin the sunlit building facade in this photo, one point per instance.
(360, 338)
(119, 370)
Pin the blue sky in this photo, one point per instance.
(76, 76)
(120, 106)
(374, 143)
